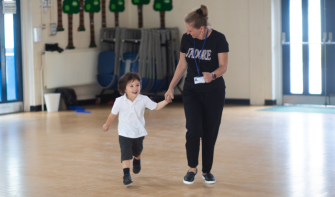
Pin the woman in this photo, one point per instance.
(204, 89)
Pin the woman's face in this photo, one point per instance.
(195, 33)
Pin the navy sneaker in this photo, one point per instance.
(127, 179)
(136, 166)
(189, 178)
(209, 178)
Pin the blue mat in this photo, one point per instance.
(320, 110)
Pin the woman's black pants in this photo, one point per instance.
(203, 111)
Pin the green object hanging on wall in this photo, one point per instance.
(70, 7)
(162, 6)
(140, 4)
(59, 16)
(92, 6)
(116, 6)
(81, 16)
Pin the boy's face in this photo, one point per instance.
(133, 88)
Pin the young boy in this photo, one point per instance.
(131, 107)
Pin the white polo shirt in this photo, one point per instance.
(131, 115)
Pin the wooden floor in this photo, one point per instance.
(257, 154)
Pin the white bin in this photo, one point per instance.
(52, 101)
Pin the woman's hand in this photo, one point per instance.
(169, 95)
(208, 77)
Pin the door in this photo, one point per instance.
(330, 51)
(308, 51)
(11, 93)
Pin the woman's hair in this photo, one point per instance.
(125, 79)
(198, 17)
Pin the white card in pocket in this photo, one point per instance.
(198, 80)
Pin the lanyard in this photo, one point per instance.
(195, 59)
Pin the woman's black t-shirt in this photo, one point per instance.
(215, 43)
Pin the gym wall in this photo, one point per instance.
(252, 28)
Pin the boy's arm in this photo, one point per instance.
(161, 105)
(108, 122)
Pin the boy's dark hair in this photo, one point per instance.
(125, 79)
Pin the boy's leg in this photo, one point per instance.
(126, 156)
(137, 147)
(126, 148)
(137, 151)
(126, 164)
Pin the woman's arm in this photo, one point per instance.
(223, 66)
(180, 70)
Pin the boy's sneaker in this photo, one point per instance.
(136, 166)
(127, 179)
(189, 178)
(209, 178)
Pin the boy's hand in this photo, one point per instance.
(105, 127)
(169, 96)
(168, 99)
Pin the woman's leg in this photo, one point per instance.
(214, 103)
(193, 112)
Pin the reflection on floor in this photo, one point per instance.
(258, 153)
(321, 110)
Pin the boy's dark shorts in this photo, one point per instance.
(130, 147)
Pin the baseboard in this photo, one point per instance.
(87, 102)
(11, 107)
(38, 108)
(237, 101)
(270, 102)
(177, 99)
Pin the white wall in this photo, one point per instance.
(249, 26)
(231, 17)
(31, 17)
(252, 28)
(27, 56)
(277, 81)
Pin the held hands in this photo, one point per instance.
(169, 96)
(105, 127)
(208, 77)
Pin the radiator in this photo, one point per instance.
(70, 68)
